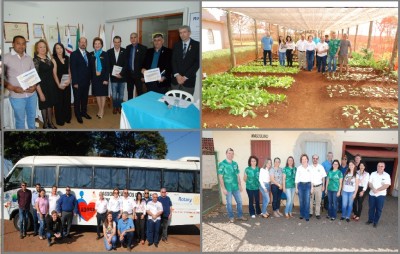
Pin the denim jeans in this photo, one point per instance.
(153, 231)
(289, 200)
(128, 238)
(276, 197)
(42, 223)
(310, 59)
(339, 203)
(113, 243)
(375, 208)
(265, 52)
(332, 59)
(24, 108)
(23, 220)
(50, 235)
(321, 63)
(332, 208)
(35, 221)
(304, 198)
(254, 197)
(347, 204)
(118, 89)
(282, 56)
(238, 199)
(265, 195)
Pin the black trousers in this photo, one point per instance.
(81, 95)
(139, 226)
(289, 57)
(101, 217)
(63, 106)
(265, 52)
(134, 81)
(156, 87)
(358, 202)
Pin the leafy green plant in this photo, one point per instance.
(256, 81)
(371, 117)
(265, 69)
(338, 90)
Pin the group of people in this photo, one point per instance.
(326, 51)
(347, 181)
(118, 219)
(57, 72)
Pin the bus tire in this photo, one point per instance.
(16, 222)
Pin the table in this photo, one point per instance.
(146, 112)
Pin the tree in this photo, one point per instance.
(21, 144)
(147, 145)
(388, 25)
(240, 23)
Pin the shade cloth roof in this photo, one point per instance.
(316, 18)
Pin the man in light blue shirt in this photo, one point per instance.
(126, 230)
(328, 163)
(267, 47)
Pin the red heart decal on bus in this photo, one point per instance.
(87, 211)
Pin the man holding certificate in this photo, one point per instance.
(158, 57)
(21, 79)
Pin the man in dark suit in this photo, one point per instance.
(117, 57)
(185, 61)
(135, 53)
(80, 72)
(159, 57)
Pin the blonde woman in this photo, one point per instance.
(265, 186)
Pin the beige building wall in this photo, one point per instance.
(286, 143)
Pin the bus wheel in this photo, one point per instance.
(16, 222)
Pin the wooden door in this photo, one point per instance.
(173, 37)
(261, 149)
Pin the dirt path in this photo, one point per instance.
(308, 106)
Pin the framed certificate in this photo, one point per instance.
(38, 30)
(72, 30)
(12, 29)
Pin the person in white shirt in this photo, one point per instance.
(350, 185)
(282, 51)
(53, 198)
(363, 177)
(301, 52)
(154, 209)
(139, 213)
(304, 186)
(101, 212)
(265, 186)
(322, 54)
(379, 181)
(310, 52)
(127, 203)
(290, 48)
(115, 206)
(318, 174)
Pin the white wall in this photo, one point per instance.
(286, 143)
(208, 171)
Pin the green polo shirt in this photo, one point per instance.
(290, 177)
(229, 172)
(333, 46)
(252, 182)
(334, 180)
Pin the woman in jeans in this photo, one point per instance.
(310, 52)
(350, 185)
(276, 187)
(251, 175)
(282, 51)
(363, 177)
(42, 208)
(289, 174)
(303, 186)
(333, 187)
(264, 180)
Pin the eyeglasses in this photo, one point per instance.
(146, 193)
(124, 193)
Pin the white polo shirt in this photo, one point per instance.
(101, 206)
(127, 204)
(318, 172)
(304, 175)
(114, 205)
(154, 208)
(378, 181)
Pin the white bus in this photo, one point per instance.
(87, 176)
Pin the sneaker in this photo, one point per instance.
(253, 216)
(40, 237)
(242, 218)
(348, 220)
(332, 219)
(231, 220)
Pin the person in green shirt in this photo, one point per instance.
(334, 186)
(289, 187)
(334, 46)
(251, 174)
(229, 179)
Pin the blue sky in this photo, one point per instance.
(182, 143)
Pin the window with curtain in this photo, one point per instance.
(46, 176)
(75, 177)
(110, 178)
(179, 181)
(197, 187)
(142, 178)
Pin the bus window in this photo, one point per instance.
(18, 175)
(197, 186)
(75, 177)
(142, 178)
(110, 178)
(171, 181)
(178, 181)
(46, 176)
(186, 182)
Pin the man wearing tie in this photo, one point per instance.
(80, 72)
(159, 57)
(135, 53)
(185, 61)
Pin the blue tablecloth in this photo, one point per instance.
(146, 112)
